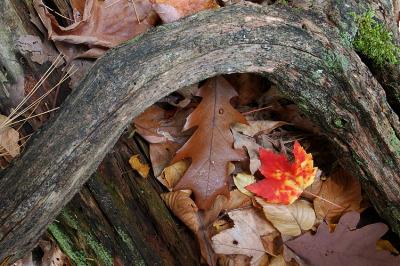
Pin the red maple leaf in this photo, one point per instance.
(284, 180)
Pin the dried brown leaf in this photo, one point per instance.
(171, 174)
(9, 137)
(180, 203)
(342, 189)
(244, 237)
(101, 25)
(345, 246)
(211, 145)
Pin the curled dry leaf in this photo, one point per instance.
(242, 180)
(273, 243)
(171, 174)
(171, 10)
(277, 261)
(9, 137)
(289, 219)
(342, 189)
(142, 168)
(180, 203)
(382, 244)
(244, 237)
(101, 25)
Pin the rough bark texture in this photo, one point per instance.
(119, 216)
(299, 50)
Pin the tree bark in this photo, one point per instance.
(119, 216)
(298, 50)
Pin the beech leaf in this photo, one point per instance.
(284, 181)
(210, 148)
(290, 219)
(345, 246)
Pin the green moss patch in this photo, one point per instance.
(374, 41)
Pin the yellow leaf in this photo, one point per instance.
(142, 168)
(242, 180)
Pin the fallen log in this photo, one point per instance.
(299, 51)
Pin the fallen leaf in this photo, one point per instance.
(211, 145)
(180, 203)
(237, 200)
(284, 181)
(161, 155)
(53, 256)
(382, 244)
(164, 134)
(277, 261)
(242, 180)
(342, 189)
(234, 260)
(142, 168)
(249, 86)
(345, 246)
(9, 137)
(40, 52)
(171, 174)
(103, 24)
(273, 244)
(257, 127)
(290, 219)
(242, 141)
(171, 10)
(244, 237)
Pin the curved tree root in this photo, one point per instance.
(299, 51)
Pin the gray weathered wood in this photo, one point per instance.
(299, 51)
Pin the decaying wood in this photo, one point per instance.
(300, 51)
(119, 216)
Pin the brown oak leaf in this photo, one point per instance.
(211, 145)
(345, 246)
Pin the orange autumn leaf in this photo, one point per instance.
(284, 181)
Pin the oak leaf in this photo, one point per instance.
(210, 148)
(345, 246)
(284, 181)
(171, 10)
(245, 237)
(290, 219)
